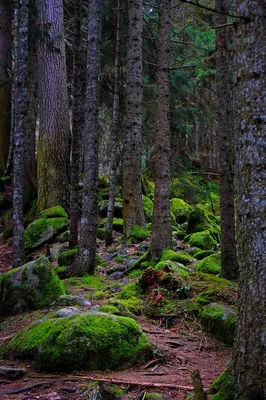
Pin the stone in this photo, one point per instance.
(11, 372)
(41, 231)
(68, 300)
(55, 250)
(67, 312)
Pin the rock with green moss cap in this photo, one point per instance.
(89, 341)
(32, 286)
(210, 264)
(200, 220)
(181, 257)
(117, 224)
(172, 266)
(220, 320)
(153, 396)
(138, 233)
(42, 230)
(199, 255)
(67, 257)
(118, 208)
(180, 209)
(53, 212)
(203, 240)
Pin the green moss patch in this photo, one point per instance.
(224, 387)
(117, 224)
(180, 210)
(32, 286)
(89, 341)
(42, 230)
(147, 204)
(203, 240)
(199, 255)
(138, 233)
(67, 257)
(210, 264)
(172, 266)
(53, 212)
(181, 257)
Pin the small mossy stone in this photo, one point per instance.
(220, 320)
(202, 240)
(117, 224)
(172, 266)
(69, 300)
(199, 219)
(181, 257)
(153, 396)
(32, 286)
(53, 212)
(138, 233)
(89, 341)
(42, 230)
(180, 209)
(210, 264)
(67, 257)
(203, 253)
(109, 309)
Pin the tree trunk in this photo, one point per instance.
(20, 74)
(54, 131)
(225, 129)
(132, 197)
(77, 123)
(5, 79)
(161, 223)
(250, 355)
(115, 127)
(89, 219)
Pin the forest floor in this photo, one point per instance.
(180, 341)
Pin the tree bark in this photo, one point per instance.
(77, 124)
(161, 223)
(132, 196)
(229, 266)
(115, 127)
(21, 13)
(5, 79)
(54, 130)
(250, 355)
(89, 218)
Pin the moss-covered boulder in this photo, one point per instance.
(53, 212)
(220, 320)
(181, 257)
(172, 266)
(67, 257)
(89, 341)
(138, 233)
(147, 204)
(199, 255)
(117, 224)
(210, 264)
(32, 286)
(200, 220)
(180, 209)
(42, 230)
(203, 240)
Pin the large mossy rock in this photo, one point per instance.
(42, 230)
(89, 341)
(53, 212)
(200, 220)
(180, 210)
(203, 240)
(210, 264)
(32, 286)
(181, 256)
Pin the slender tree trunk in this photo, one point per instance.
(21, 11)
(30, 172)
(54, 131)
(89, 219)
(77, 123)
(249, 359)
(5, 79)
(114, 156)
(225, 129)
(132, 197)
(161, 224)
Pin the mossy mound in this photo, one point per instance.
(153, 396)
(172, 266)
(181, 257)
(53, 212)
(67, 257)
(42, 230)
(158, 278)
(203, 240)
(89, 341)
(220, 320)
(117, 224)
(118, 208)
(138, 233)
(199, 255)
(147, 204)
(32, 286)
(210, 264)
(180, 209)
(200, 220)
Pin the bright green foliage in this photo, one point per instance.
(180, 209)
(53, 212)
(213, 204)
(41, 230)
(32, 286)
(127, 307)
(110, 309)
(171, 266)
(210, 264)
(89, 341)
(67, 257)
(203, 253)
(202, 240)
(117, 224)
(181, 257)
(220, 320)
(138, 233)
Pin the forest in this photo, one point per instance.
(132, 199)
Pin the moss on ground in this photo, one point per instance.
(181, 257)
(41, 230)
(89, 341)
(67, 257)
(224, 387)
(180, 210)
(210, 264)
(203, 240)
(53, 212)
(153, 396)
(199, 255)
(117, 224)
(172, 266)
(138, 233)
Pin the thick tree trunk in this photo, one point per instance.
(225, 130)
(89, 219)
(115, 127)
(77, 124)
(21, 11)
(54, 131)
(132, 197)
(5, 79)
(250, 349)
(161, 223)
